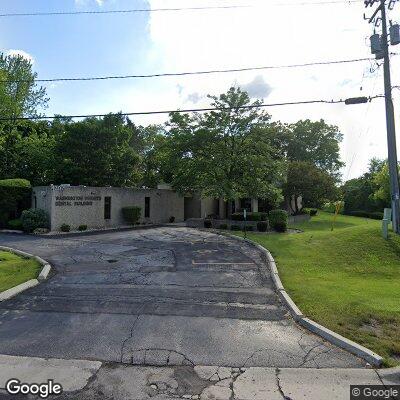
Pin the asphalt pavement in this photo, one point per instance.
(168, 296)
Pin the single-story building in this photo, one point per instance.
(101, 207)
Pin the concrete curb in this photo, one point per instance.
(46, 268)
(332, 337)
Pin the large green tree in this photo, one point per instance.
(97, 152)
(309, 182)
(20, 96)
(224, 153)
(314, 142)
(361, 194)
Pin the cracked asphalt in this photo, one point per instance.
(158, 297)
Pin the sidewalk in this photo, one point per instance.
(93, 380)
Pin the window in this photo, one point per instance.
(245, 204)
(107, 207)
(35, 200)
(147, 207)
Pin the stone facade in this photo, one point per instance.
(101, 207)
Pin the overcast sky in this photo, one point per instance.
(271, 32)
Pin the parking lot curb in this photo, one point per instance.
(330, 336)
(46, 268)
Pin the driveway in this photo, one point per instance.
(165, 296)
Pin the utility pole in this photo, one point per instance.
(381, 49)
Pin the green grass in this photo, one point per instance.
(15, 270)
(347, 280)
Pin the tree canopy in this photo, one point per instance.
(234, 151)
(225, 153)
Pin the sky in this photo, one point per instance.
(268, 32)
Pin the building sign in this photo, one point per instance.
(62, 201)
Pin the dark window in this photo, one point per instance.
(107, 207)
(147, 207)
(245, 204)
(35, 200)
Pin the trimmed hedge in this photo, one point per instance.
(235, 228)
(262, 226)
(15, 224)
(366, 214)
(34, 218)
(278, 220)
(223, 226)
(207, 224)
(15, 196)
(255, 216)
(65, 228)
(131, 214)
(82, 228)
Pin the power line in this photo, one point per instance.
(187, 110)
(143, 10)
(215, 71)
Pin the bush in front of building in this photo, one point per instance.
(131, 214)
(278, 220)
(82, 228)
(15, 224)
(250, 216)
(65, 228)
(262, 226)
(223, 226)
(207, 224)
(15, 195)
(235, 228)
(34, 218)
(171, 219)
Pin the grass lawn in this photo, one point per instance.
(348, 280)
(15, 270)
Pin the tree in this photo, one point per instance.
(316, 143)
(314, 185)
(358, 193)
(382, 185)
(97, 152)
(20, 96)
(224, 153)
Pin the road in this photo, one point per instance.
(157, 297)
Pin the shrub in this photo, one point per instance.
(235, 228)
(311, 211)
(82, 228)
(15, 224)
(249, 228)
(254, 216)
(237, 217)
(278, 220)
(223, 226)
(34, 218)
(65, 228)
(207, 224)
(365, 214)
(131, 214)
(15, 196)
(172, 219)
(262, 226)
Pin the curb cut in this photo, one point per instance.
(46, 268)
(330, 336)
